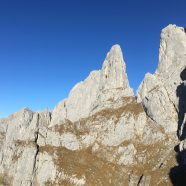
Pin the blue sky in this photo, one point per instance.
(46, 46)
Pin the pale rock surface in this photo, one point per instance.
(158, 92)
(109, 83)
(113, 81)
(3, 130)
(45, 169)
(101, 134)
(127, 155)
(19, 145)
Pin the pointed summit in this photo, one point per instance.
(115, 51)
(109, 83)
(159, 92)
(172, 51)
(113, 73)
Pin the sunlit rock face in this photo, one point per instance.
(159, 92)
(110, 82)
(102, 134)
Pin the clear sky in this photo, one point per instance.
(46, 46)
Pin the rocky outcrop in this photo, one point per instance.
(19, 149)
(159, 92)
(108, 83)
(101, 134)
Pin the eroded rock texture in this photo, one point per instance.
(159, 92)
(101, 134)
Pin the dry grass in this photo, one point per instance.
(98, 171)
(5, 180)
(59, 183)
(152, 165)
(71, 127)
(129, 106)
(2, 134)
(16, 156)
(24, 143)
(84, 163)
(82, 126)
(95, 167)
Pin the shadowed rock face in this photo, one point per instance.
(181, 94)
(177, 173)
(101, 134)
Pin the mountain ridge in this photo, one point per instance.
(102, 134)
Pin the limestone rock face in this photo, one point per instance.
(110, 82)
(18, 150)
(101, 134)
(113, 80)
(159, 92)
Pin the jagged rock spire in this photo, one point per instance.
(109, 82)
(159, 91)
(113, 73)
(172, 52)
(119, 138)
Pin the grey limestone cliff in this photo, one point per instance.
(102, 134)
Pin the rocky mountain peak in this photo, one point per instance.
(172, 50)
(115, 52)
(158, 91)
(100, 134)
(110, 82)
(113, 73)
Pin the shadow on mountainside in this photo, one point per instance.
(181, 94)
(177, 174)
